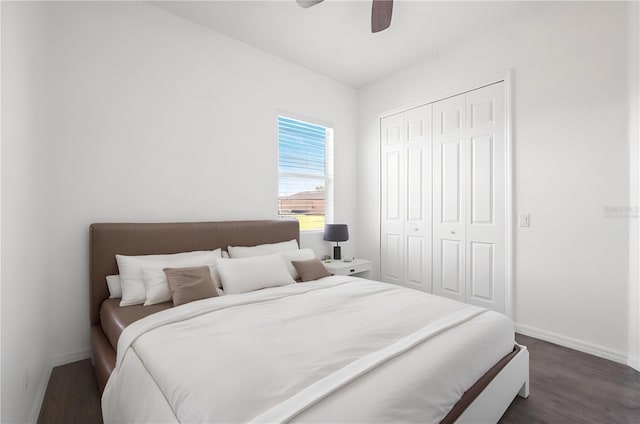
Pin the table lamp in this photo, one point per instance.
(337, 233)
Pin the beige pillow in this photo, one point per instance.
(311, 269)
(189, 284)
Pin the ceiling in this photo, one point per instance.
(334, 38)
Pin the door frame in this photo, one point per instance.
(506, 77)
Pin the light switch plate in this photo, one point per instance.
(524, 220)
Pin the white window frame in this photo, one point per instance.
(329, 165)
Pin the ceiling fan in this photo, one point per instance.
(381, 11)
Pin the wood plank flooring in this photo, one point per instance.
(72, 395)
(566, 387)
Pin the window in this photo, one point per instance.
(305, 172)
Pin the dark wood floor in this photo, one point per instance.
(72, 395)
(566, 387)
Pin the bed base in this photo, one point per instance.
(103, 356)
(493, 401)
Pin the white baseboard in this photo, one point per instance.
(570, 342)
(68, 358)
(44, 381)
(634, 362)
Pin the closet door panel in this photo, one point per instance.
(485, 197)
(451, 268)
(415, 184)
(448, 201)
(392, 264)
(392, 199)
(481, 264)
(393, 188)
(482, 190)
(415, 248)
(417, 226)
(391, 130)
(451, 196)
(418, 125)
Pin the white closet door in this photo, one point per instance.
(444, 197)
(485, 197)
(449, 174)
(393, 208)
(417, 174)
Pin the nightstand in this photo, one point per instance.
(357, 268)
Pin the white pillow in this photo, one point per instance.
(115, 286)
(261, 249)
(157, 286)
(254, 273)
(297, 255)
(133, 288)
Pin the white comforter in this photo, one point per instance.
(340, 349)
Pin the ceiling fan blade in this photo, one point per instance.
(308, 3)
(381, 11)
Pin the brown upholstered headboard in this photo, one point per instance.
(107, 240)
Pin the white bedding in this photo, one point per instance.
(340, 349)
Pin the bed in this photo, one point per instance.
(339, 349)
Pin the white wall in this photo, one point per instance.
(571, 161)
(123, 112)
(25, 259)
(634, 187)
(0, 211)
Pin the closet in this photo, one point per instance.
(406, 192)
(443, 197)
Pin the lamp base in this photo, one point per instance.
(336, 253)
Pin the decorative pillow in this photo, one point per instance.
(115, 286)
(261, 249)
(189, 284)
(130, 267)
(312, 269)
(254, 273)
(157, 286)
(297, 255)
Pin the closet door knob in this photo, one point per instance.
(453, 232)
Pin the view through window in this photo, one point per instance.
(305, 168)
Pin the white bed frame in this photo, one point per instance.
(494, 400)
